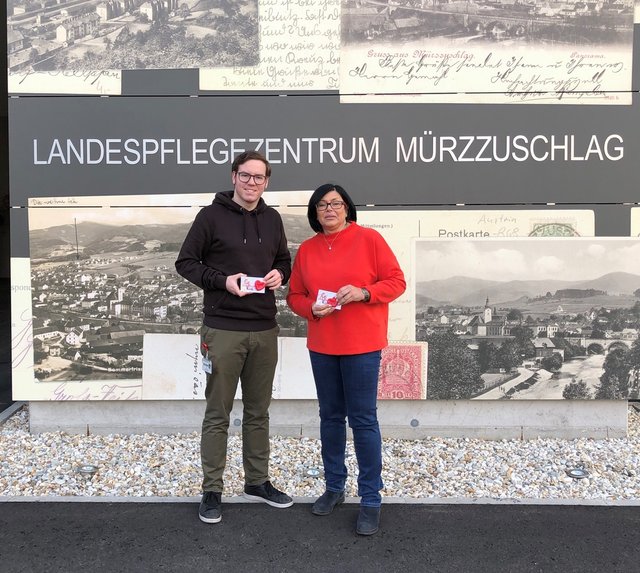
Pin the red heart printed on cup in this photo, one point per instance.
(259, 285)
(333, 301)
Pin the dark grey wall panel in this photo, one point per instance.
(19, 232)
(470, 179)
(613, 220)
(160, 82)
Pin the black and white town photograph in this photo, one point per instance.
(103, 278)
(62, 35)
(545, 318)
(472, 21)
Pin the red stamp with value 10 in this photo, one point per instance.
(403, 369)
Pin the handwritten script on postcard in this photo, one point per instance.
(299, 50)
(491, 74)
(91, 82)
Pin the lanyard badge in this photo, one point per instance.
(207, 364)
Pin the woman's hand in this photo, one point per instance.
(349, 293)
(321, 310)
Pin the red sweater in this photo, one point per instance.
(362, 258)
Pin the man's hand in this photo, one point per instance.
(233, 285)
(273, 279)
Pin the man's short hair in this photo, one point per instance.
(248, 156)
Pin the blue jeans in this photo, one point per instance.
(347, 387)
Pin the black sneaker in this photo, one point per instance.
(210, 507)
(268, 494)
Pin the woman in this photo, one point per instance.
(347, 329)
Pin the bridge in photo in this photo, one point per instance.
(480, 18)
(606, 344)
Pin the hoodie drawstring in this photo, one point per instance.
(255, 215)
(244, 225)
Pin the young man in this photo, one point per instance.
(237, 236)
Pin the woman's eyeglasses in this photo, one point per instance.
(335, 205)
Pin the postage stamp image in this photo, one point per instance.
(403, 371)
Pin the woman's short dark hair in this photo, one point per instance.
(318, 194)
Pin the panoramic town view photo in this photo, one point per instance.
(101, 279)
(530, 318)
(463, 21)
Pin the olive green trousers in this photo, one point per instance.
(250, 357)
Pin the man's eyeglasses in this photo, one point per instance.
(335, 205)
(246, 177)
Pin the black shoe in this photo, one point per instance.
(368, 520)
(266, 493)
(326, 502)
(210, 507)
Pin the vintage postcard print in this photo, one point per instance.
(299, 50)
(78, 332)
(486, 52)
(100, 291)
(635, 221)
(81, 48)
(522, 318)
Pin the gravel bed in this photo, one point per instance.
(152, 465)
